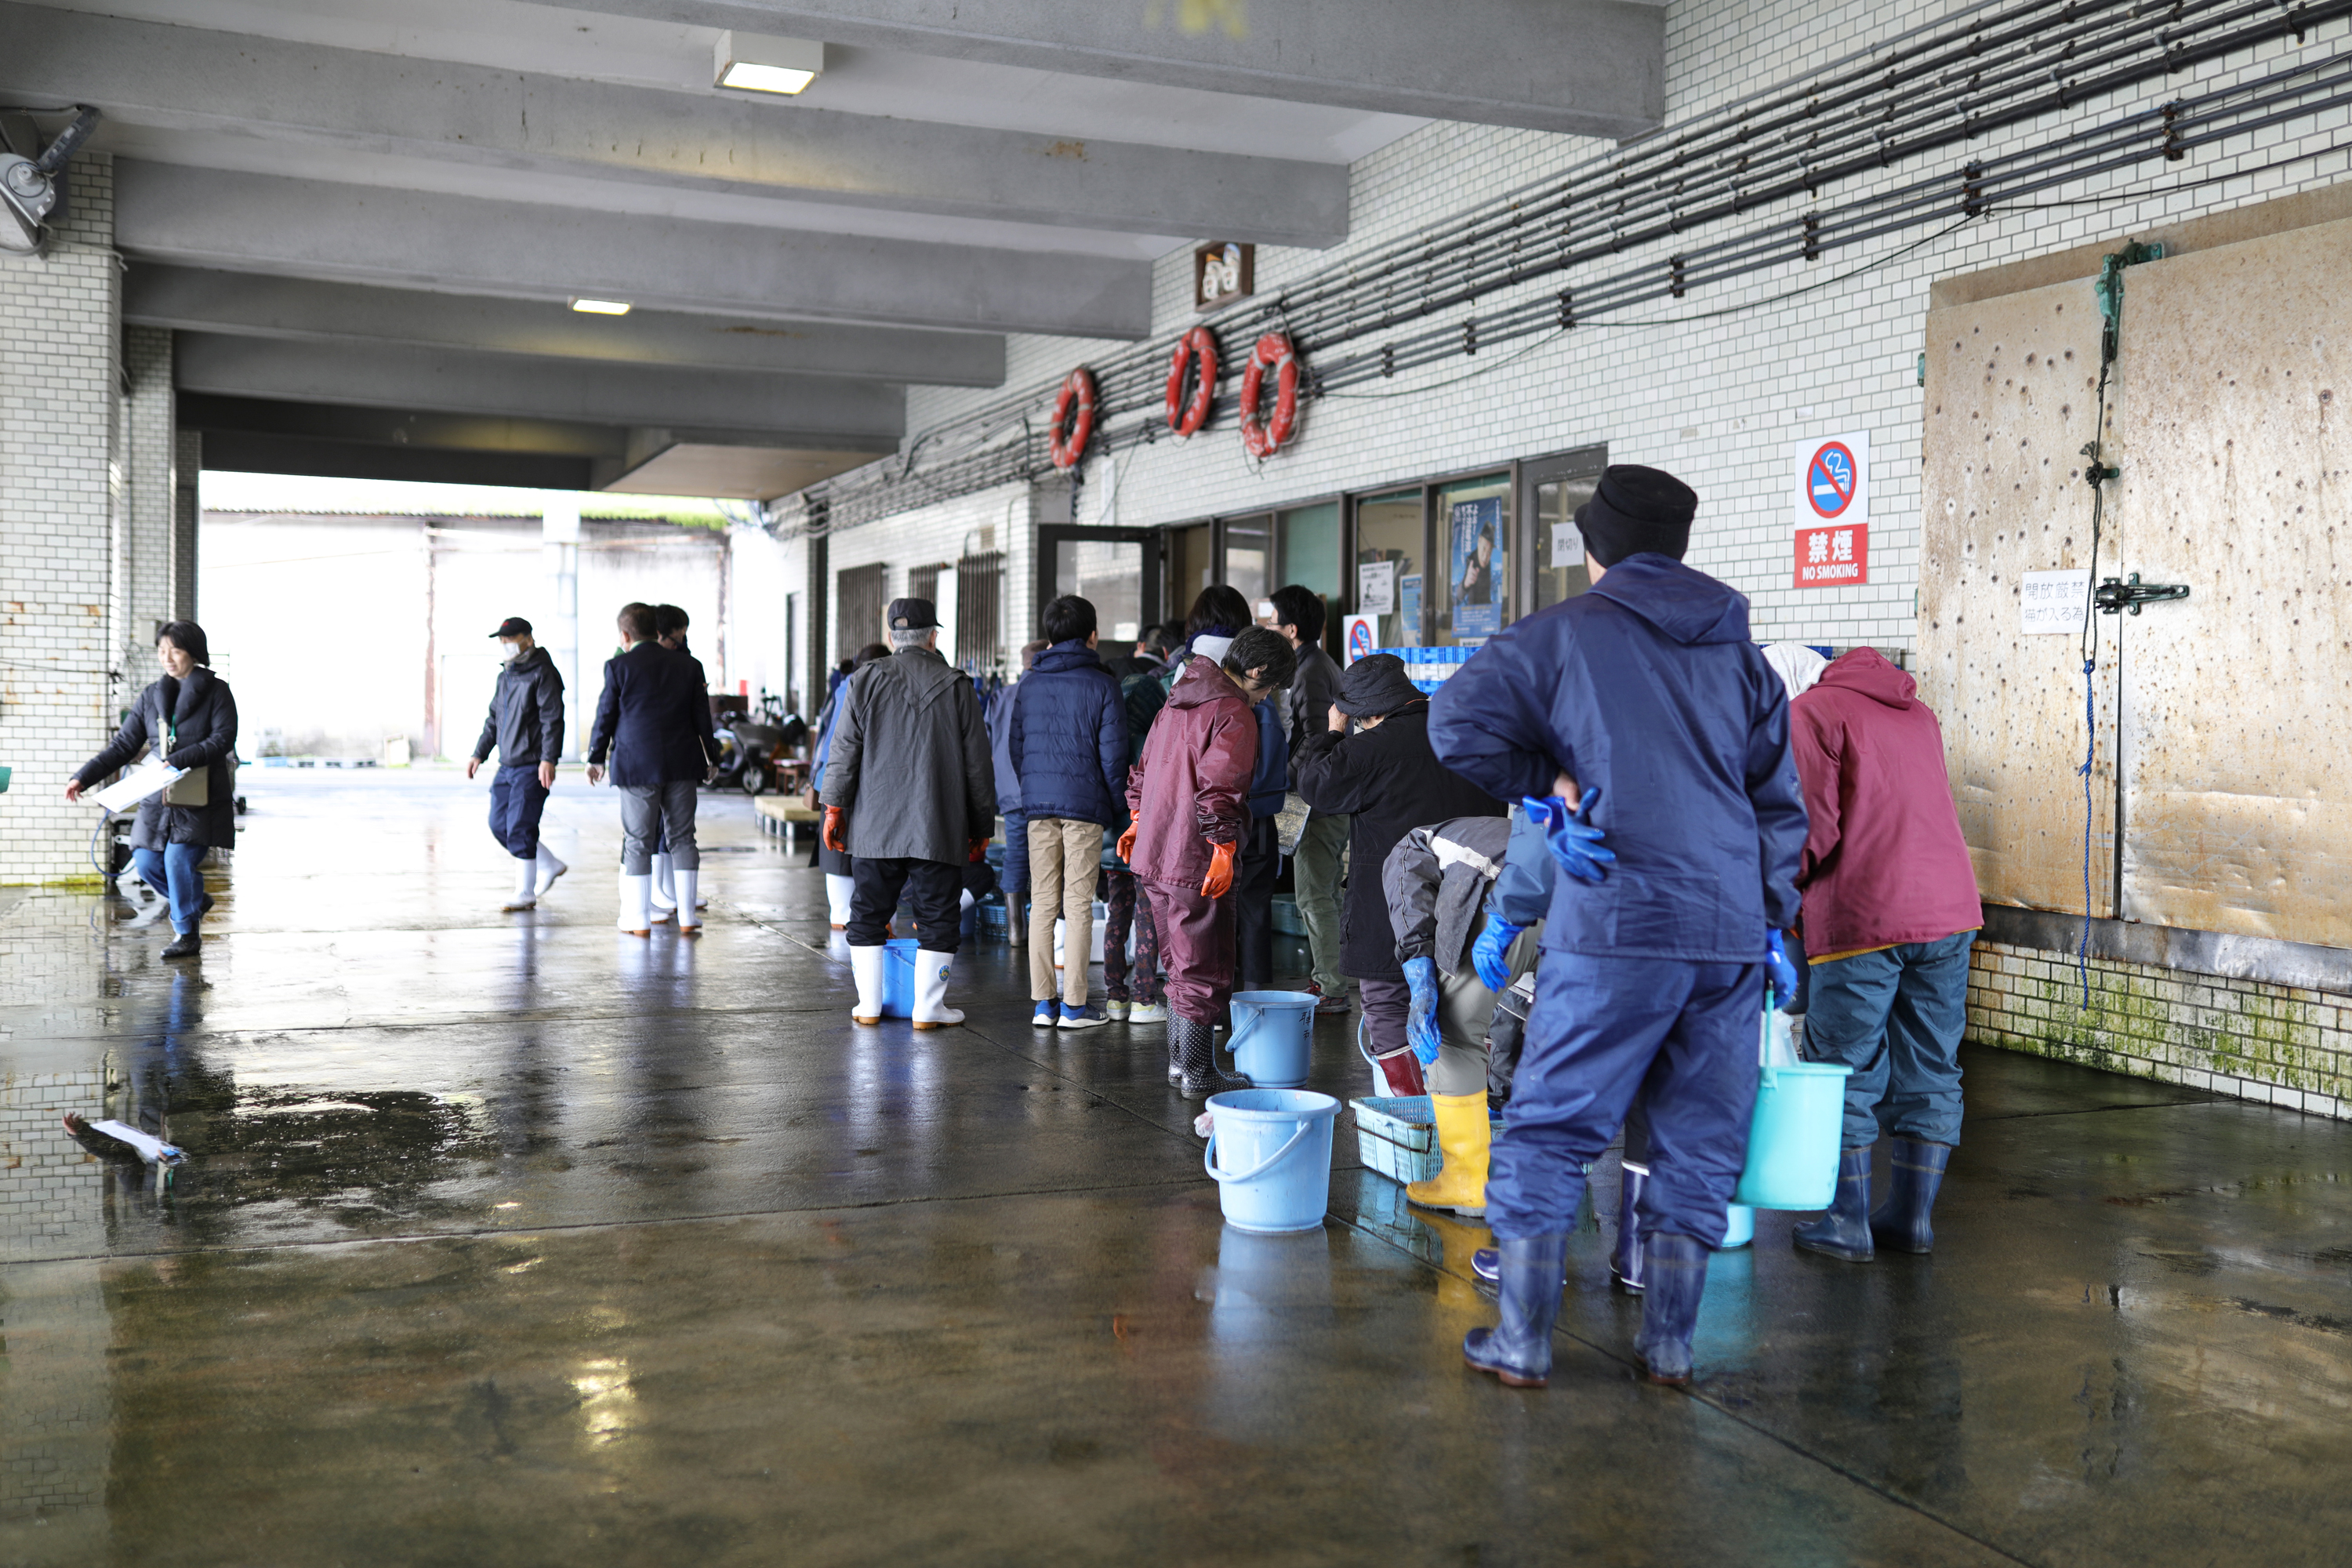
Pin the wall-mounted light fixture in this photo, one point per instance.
(601, 307)
(755, 63)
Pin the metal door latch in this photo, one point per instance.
(2115, 595)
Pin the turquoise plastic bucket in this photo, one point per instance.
(1274, 1037)
(898, 977)
(1270, 1154)
(1792, 1141)
(1739, 1226)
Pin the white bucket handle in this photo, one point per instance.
(1209, 1158)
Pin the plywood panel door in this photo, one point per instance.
(2235, 377)
(2009, 402)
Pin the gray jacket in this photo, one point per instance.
(1436, 880)
(526, 722)
(911, 762)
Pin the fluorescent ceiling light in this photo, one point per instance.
(601, 307)
(757, 64)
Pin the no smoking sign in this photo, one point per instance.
(1832, 511)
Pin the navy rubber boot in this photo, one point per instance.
(1518, 1349)
(1844, 1230)
(1900, 1224)
(1676, 1270)
(1625, 1270)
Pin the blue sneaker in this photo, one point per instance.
(1087, 1018)
(1047, 1016)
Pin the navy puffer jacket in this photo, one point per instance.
(1068, 737)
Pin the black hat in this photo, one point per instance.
(512, 627)
(1376, 686)
(1635, 510)
(911, 616)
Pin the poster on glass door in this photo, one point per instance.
(1479, 568)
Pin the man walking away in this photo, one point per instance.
(1067, 742)
(642, 725)
(1646, 695)
(909, 743)
(669, 630)
(1187, 798)
(1316, 865)
(694, 752)
(526, 727)
(1386, 779)
(1891, 909)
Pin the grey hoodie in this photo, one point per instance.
(910, 761)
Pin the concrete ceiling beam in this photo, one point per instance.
(330, 230)
(1586, 68)
(841, 415)
(191, 78)
(421, 428)
(241, 304)
(250, 452)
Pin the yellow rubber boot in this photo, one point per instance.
(1464, 1135)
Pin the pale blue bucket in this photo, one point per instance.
(898, 977)
(1793, 1139)
(1738, 1226)
(1270, 1154)
(1274, 1037)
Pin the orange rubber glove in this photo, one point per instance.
(976, 850)
(1127, 843)
(836, 830)
(1219, 879)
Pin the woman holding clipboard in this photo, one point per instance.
(190, 718)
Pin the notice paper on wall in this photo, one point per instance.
(2054, 602)
(1376, 587)
(138, 784)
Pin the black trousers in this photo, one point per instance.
(1254, 874)
(938, 890)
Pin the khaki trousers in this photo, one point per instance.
(1064, 858)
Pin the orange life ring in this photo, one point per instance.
(1187, 418)
(1074, 418)
(1274, 353)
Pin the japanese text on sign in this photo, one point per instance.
(1833, 557)
(2053, 602)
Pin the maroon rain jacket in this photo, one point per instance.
(1191, 787)
(1884, 861)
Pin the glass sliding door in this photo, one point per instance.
(1191, 562)
(1551, 488)
(1308, 537)
(1471, 591)
(1249, 559)
(1391, 532)
(1116, 572)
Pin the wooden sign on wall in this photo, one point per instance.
(1222, 273)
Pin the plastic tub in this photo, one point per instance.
(1270, 1154)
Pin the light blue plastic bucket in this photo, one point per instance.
(1793, 1139)
(1739, 1226)
(898, 977)
(1274, 1037)
(1270, 1154)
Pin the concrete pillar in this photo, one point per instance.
(559, 542)
(143, 520)
(187, 464)
(58, 630)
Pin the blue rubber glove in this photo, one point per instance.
(1783, 973)
(1490, 955)
(1572, 839)
(1421, 1024)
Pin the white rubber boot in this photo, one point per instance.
(836, 897)
(664, 899)
(866, 964)
(550, 868)
(525, 893)
(931, 1009)
(637, 905)
(689, 913)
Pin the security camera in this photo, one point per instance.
(30, 186)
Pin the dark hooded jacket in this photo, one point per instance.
(191, 723)
(909, 761)
(1067, 739)
(1885, 861)
(1390, 782)
(1649, 690)
(1191, 787)
(526, 722)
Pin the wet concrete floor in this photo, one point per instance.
(506, 1240)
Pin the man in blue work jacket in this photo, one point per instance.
(1647, 713)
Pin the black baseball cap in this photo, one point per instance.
(512, 627)
(913, 615)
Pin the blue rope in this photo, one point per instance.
(2090, 750)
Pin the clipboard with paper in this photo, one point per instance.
(150, 777)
